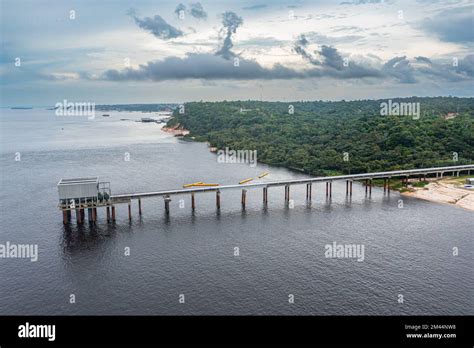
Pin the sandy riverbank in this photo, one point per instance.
(448, 190)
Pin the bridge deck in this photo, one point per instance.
(396, 173)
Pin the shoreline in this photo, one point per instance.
(448, 190)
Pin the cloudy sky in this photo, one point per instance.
(140, 51)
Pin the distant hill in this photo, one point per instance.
(315, 137)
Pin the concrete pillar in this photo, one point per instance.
(244, 197)
(108, 213)
(94, 214)
(193, 203)
(167, 204)
(113, 213)
(366, 186)
(347, 187)
(370, 187)
(65, 217)
(350, 187)
(265, 195)
(327, 189)
(130, 211)
(330, 189)
(139, 207)
(287, 193)
(218, 199)
(310, 191)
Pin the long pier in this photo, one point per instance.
(367, 178)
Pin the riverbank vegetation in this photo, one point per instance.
(327, 138)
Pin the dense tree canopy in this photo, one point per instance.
(315, 137)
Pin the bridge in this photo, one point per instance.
(126, 198)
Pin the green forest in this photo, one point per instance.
(328, 138)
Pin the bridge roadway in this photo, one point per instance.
(119, 198)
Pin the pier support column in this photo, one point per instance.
(370, 187)
(139, 207)
(65, 217)
(385, 185)
(89, 214)
(69, 215)
(193, 202)
(130, 211)
(330, 189)
(366, 186)
(167, 204)
(287, 193)
(113, 213)
(347, 188)
(308, 191)
(388, 185)
(218, 199)
(108, 213)
(327, 189)
(265, 195)
(94, 214)
(78, 216)
(350, 188)
(244, 196)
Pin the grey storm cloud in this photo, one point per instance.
(453, 25)
(401, 69)
(180, 9)
(331, 63)
(325, 62)
(462, 70)
(201, 66)
(300, 48)
(423, 59)
(157, 26)
(231, 22)
(197, 11)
